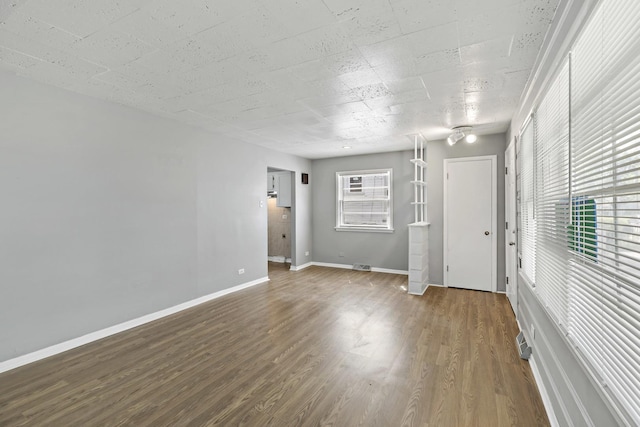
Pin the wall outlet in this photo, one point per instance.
(533, 332)
(341, 254)
(306, 253)
(284, 216)
(261, 203)
(241, 271)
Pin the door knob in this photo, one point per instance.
(486, 233)
(512, 243)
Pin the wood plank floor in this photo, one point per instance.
(316, 347)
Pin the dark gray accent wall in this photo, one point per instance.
(109, 214)
(437, 151)
(381, 250)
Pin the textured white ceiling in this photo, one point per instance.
(302, 76)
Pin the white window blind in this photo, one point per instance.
(580, 246)
(604, 276)
(552, 200)
(526, 163)
(364, 200)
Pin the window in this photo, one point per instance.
(582, 162)
(364, 200)
(527, 236)
(553, 212)
(604, 269)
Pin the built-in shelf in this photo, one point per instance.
(419, 230)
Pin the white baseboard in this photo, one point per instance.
(112, 330)
(300, 267)
(280, 259)
(420, 293)
(331, 265)
(437, 285)
(350, 267)
(544, 394)
(390, 271)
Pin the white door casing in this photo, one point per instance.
(510, 236)
(470, 223)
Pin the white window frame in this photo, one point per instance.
(340, 224)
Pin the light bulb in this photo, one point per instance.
(471, 138)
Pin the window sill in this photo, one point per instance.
(526, 280)
(365, 229)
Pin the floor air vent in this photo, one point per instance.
(523, 347)
(362, 267)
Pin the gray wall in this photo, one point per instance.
(437, 151)
(109, 214)
(381, 250)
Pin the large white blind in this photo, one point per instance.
(552, 201)
(581, 243)
(526, 163)
(364, 199)
(604, 277)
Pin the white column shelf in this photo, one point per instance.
(418, 258)
(419, 230)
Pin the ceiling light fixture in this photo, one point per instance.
(346, 147)
(459, 133)
(456, 136)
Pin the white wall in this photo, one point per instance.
(109, 213)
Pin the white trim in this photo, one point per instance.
(350, 267)
(364, 228)
(544, 395)
(300, 267)
(331, 265)
(389, 270)
(537, 374)
(121, 327)
(494, 215)
(565, 379)
(278, 258)
(419, 293)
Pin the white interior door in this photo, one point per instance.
(470, 244)
(510, 237)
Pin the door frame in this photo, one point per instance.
(511, 219)
(494, 216)
(292, 231)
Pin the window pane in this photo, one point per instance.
(364, 199)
